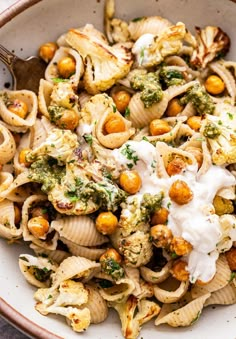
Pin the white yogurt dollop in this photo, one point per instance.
(193, 221)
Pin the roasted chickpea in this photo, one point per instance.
(174, 108)
(160, 216)
(23, 157)
(197, 153)
(194, 122)
(231, 258)
(161, 236)
(39, 212)
(180, 246)
(47, 51)
(159, 127)
(17, 212)
(19, 108)
(111, 253)
(130, 181)
(66, 66)
(115, 124)
(179, 270)
(175, 166)
(214, 85)
(106, 223)
(38, 226)
(180, 192)
(69, 120)
(121, 100)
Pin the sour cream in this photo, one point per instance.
(195, 221)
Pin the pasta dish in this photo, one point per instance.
(120, 174)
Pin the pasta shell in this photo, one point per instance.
(18, 191)
(186, 315)
(153, 24)
(224, 296)
(171, 296)
(44, 96)
(156, 277)
(96, 305)
(8, 229)
(6, 180)
(82, 251)
(122, 288)
(56, 255)
(178, 61)
(75, 267)
(29, 266)
(83, 98)
(79, 229)
(7, 145)
(39, 134)
(12, 119)
(52, 69)
(219, 281)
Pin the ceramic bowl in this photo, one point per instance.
(25, 26)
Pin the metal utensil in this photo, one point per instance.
(25, 73)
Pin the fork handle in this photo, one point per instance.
(7, 57)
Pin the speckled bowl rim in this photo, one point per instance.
(7, 311)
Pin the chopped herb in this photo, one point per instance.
(49, 297)
(24, 258)
(145, 138)
(174, 255)
(232, 276)
(127, 112)
(230, 115)
(220, 122)
(105, 283)
(129, 153)
(89, 139)
(57, 80)
(114, 108)
(142, 55)
(196, 318)
(169, 204)
(154, 164)
(138, 19)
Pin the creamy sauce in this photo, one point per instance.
(195, 221)
(83, 129)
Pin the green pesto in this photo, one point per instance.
(211, 131)
(42, 274)
(150, 203)
(148, 84)
(171, 77)
(113, 268)
(47, 172)
(200, 99)
(55, 112)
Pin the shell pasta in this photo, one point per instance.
(120, 174)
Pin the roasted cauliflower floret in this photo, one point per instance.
(131, 320)
(212, 42)
(221, 135)
(136, 249)
(222, 205)
(150, 49)
(60, 145)
(64, 95)
(104, 64)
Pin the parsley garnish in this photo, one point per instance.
(230, 115)
(89, 139)
(232, 276)
(129, 153)
(127, 112)
(57, 80)
(141, 55)
(138, 19)
(114, 108)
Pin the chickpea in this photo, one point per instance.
(197, 153)
(17, 212)
(161, 236)
(175, 166)
(174, 108)
(38, 226)
(194, 122)
(179, 270)
(231, 258)
(19, 108)
(160, 216)
(39, 212)
(180, 246)
(69, 120)
(214, 85)
(47, 51)
(121, 100)
(106, 223)
(115, 124)
(66, 66)
(180, 192)
(159, 127)
(130, 181)
(23, 157)
(111, 253)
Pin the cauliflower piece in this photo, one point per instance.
(212, 42)
(60, 145)
(150, 50)
(59, 301)
(64, 95)
(131, 323)
(221, 135)
(104, 64)
(222, 205)
(136, 249)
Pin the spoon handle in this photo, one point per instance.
(7, 57)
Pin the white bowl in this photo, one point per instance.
(25, 26)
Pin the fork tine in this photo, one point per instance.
(6, 56)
